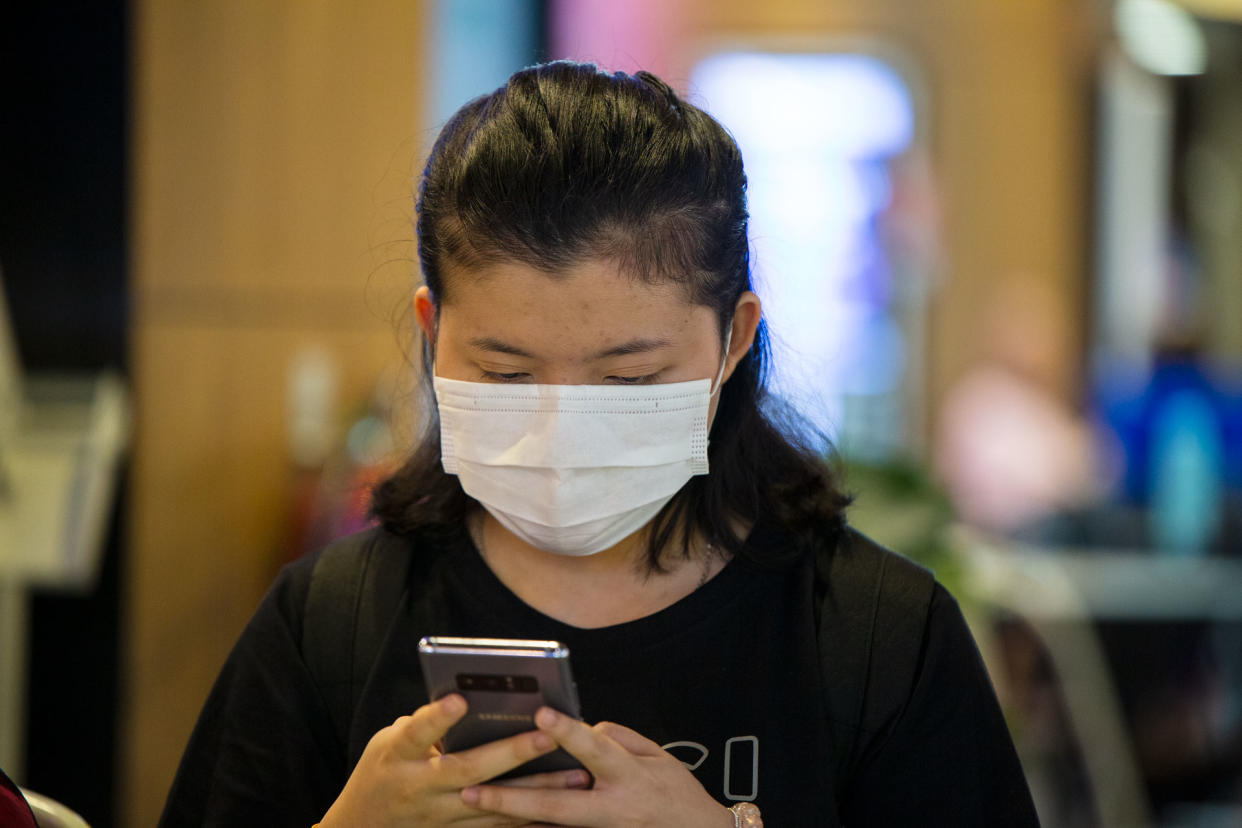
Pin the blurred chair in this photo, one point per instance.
(902, 508)
(1037, 588)
(51, 814)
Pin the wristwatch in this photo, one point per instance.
(746, 815)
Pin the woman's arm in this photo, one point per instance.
(948, 759)
(263, 751)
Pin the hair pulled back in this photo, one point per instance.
(566, 163)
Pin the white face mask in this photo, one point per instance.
(573, 469)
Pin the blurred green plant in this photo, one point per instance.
(899, 505)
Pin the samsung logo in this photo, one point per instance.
(506, 717)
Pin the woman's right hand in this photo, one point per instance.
(402, 779)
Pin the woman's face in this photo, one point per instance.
(512, 323)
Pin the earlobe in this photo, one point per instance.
(425, 313)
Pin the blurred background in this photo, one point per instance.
(999, 242)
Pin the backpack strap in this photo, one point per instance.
(356, 585)
(872, 606)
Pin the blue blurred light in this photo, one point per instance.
(817, 132)
(475, 46)
(848, 106)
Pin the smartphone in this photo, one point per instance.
(504, 681)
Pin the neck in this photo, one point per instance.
(609, 587)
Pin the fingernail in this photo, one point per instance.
(453, 704)
(470, 796)
(546, 717)
(543, 741)
(579, 779)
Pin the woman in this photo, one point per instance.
(588, 322)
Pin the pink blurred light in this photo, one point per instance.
(637, 34)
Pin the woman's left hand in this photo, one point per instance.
(636, 783)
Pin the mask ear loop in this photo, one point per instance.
(724, 360)
(429, 348)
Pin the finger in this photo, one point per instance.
(631, 740)
(479, 764)
(539, 805)
(418, 734)
(553, 779)
(594, 749)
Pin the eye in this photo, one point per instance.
(643, 380)
(493, 376)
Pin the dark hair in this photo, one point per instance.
(566, 163)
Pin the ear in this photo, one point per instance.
(746, 315)
(425, 313)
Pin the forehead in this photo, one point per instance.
(586, 305)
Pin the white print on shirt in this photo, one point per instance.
(746, 743)
(700, 748)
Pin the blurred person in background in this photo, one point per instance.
(1008, 450)
(589, 321)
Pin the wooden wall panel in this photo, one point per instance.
(274, 145)
(212, 493)
(277, 140)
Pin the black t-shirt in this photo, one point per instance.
(728, 679)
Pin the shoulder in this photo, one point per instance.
(892, 622)
(340, 568)
(856, 574)
(373, 547)
(874, 606)
(893, 641)
(926, 712)
(901, 602)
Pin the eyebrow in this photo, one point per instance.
(634, 346)
(487, 343)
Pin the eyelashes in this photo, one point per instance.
(522, 377)
(492, 376)
(645, 379)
